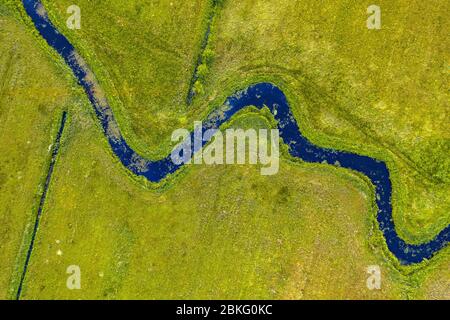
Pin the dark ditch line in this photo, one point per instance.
(55, 150)
(205, 41)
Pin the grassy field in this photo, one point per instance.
(226, 232)
(218, 232)
(355, 88)
(143, 54)
(33, 92)
(332, 66)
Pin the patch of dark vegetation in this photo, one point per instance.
(3, 178)
(283, 194)
(206, 56)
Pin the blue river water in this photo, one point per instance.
(258, 95)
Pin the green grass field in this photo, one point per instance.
(33, 91)
(225, 231)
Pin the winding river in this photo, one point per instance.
(259, 95)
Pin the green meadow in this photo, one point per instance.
(210, 232)
(33, 91)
